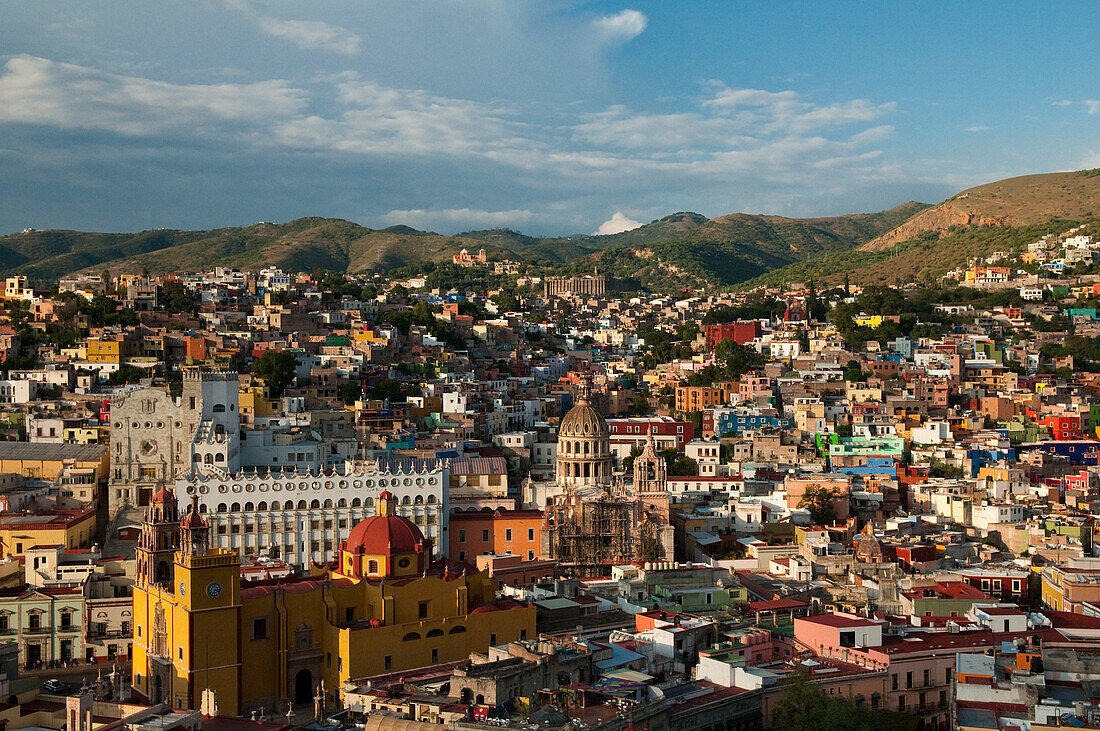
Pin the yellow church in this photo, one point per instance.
(384, 606)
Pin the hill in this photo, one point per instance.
(728, 250)
(1002, 216)
(1015, 202)
(683, 249)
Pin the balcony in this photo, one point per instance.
(107, 634)
(40, 630)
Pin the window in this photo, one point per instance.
(435, 655)
(508, 534)
(492, 639)
(894, 681)
(523, 634)
(462, 536)
(530, 534)
(927, 676)
(372, 567)
(180, 653)
(349, 614)
(259, 628)
(422, 610)
(485, 536)
(35, 621)
(530, 555)
(909, 679)
(388, 663)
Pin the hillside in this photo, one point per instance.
(683, 249)
(1002, 216)
(731, 249)
(1015, 202)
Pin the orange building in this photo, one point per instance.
(476, 532)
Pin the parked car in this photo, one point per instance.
(55, 686)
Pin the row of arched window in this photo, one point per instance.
(313, 504)
(413, 636)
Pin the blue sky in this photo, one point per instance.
(545, 116)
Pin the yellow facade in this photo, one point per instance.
(103, 351)
(366, 334)
(74, 529)
(272, 643)
(253, 401)
(186, 633)
(868, 320)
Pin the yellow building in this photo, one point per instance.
(385, 607)
(365, 333)
(255, 402)
(868, 320)
(104, 351)
(69, 528)
(47, 461)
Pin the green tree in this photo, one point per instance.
(388, 389)
(177, 298)
(350, 392)
(804, 707)
(276, 368)
(818, 499)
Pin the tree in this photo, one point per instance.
(678, 465)
(350, 392)
(818, 499)
(388, 389)
(127, 374)
(177, 298)
(276, 368)
(804, 707)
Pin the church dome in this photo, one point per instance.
(163, 495)
(868, 548)
(384, 535)
(583, 421)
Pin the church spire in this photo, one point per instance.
(194, 531)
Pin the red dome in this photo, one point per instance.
(163, 496)
(385, 495)
(193, 520)
(384, 535)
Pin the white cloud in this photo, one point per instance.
(453, 218)
(1062, 103)
(624, 25)
(381, 120)
(617, 224)
(1092, 105)
(787, 110)
(1090, 161)
(976, 128)
(40, 91)
(311, 35)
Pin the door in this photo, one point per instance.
(303, 687)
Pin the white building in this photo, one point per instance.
(18, 392)
(303, 515)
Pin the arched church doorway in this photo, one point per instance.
(303, 687)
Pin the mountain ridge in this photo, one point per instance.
(340, 245)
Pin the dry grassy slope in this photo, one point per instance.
(1022, 201)
(304, 244)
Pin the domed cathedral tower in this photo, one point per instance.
(160, 535)
(585, 458)
(194, 531)
(651, 481)
(385, 546)
(186, 610)
(655, 536)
